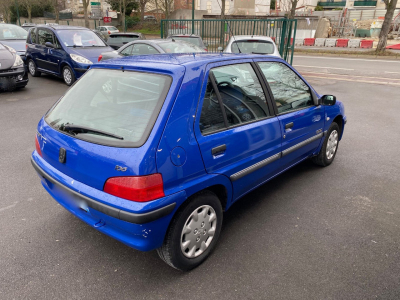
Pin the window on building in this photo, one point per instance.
(209, 7)
(227, 7)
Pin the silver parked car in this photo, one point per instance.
(256, 44)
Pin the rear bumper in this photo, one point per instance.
(140, 230)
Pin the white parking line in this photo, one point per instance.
(341, 58)
(350, 76)
(323, 67)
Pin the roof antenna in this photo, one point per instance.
(230, 30)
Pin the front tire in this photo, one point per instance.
(33, 68)
(68, 76)
(329, 149)
(193, 233)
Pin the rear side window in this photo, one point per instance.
(143, 49)
(124, 104)
(33, 35)
(237, 89)
(253, 46)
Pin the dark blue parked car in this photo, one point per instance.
(152, 149)
(64, 51)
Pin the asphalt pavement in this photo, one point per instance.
(311, 233)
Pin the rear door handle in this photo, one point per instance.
(289, 125)
(218, 150)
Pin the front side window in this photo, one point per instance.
(124, 105)
(33, 35)
(289, 90)
(45, 36)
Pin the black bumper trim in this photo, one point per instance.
(109, 210)
(20, 71)
(82, 70)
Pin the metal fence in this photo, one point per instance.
(217, 32)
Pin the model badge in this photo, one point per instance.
(62, 155)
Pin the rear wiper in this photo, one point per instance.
(83, 129)
(258, 53)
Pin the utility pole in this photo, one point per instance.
(192, 16)
(16, 4)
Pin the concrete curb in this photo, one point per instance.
(377, 57)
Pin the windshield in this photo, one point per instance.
(124, 104)
(192, 40)
(12, 32)
(253, 46)
(180, 47)
(80, 38)
(118, 39)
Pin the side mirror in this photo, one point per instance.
(327, 100)
(49, 45)
(205, 44)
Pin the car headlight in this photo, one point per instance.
(12, 50)
(80, 59)
(18, 61)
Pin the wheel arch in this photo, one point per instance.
(339, 120)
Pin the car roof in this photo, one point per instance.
(184, 35)
(245, 37)
(126, 33)
(64, 27)
(184, 59)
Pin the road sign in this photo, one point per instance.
(107, 19)
(94, 3)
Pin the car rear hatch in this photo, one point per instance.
(101, 127)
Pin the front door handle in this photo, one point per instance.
(289, 125)
(218, 150)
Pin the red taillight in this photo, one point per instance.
(37, 146)
(109, 32)
(100, 57)
(205, 49)
(26, 46)
(136, 188)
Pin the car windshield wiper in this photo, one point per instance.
(83, 129)
(259, 53)
(75, 46)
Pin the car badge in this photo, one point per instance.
(62, 155)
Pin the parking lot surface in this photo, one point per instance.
(311, 233)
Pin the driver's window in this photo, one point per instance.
(241, 93)
(289, 90)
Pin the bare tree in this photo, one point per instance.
(142, 7)
(28, 4)
(390, 7)
(85, 12)
(289, 6)
(5, 10)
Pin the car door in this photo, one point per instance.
(236, 130)
(44, 35)
(55, 55)
(301, 118)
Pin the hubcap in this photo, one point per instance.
(332, 144)
(67, 76)
(198, 231)
(31, 67)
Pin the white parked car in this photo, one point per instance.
(255, 44)
(107, 29)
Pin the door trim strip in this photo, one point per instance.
(301, 144)
(255, 167)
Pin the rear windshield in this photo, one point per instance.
(193, 40)
(12, 32)
(179, 47)
(80, 38)
(253, 46)
(123, 104)
(119, 39)
(112, 28)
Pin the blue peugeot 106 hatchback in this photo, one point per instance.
(64, 51)
(151, 150)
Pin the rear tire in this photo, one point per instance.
(329, 148)
(193, 232)
(68, 76)
(33, 68)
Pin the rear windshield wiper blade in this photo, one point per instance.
(83, 129)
